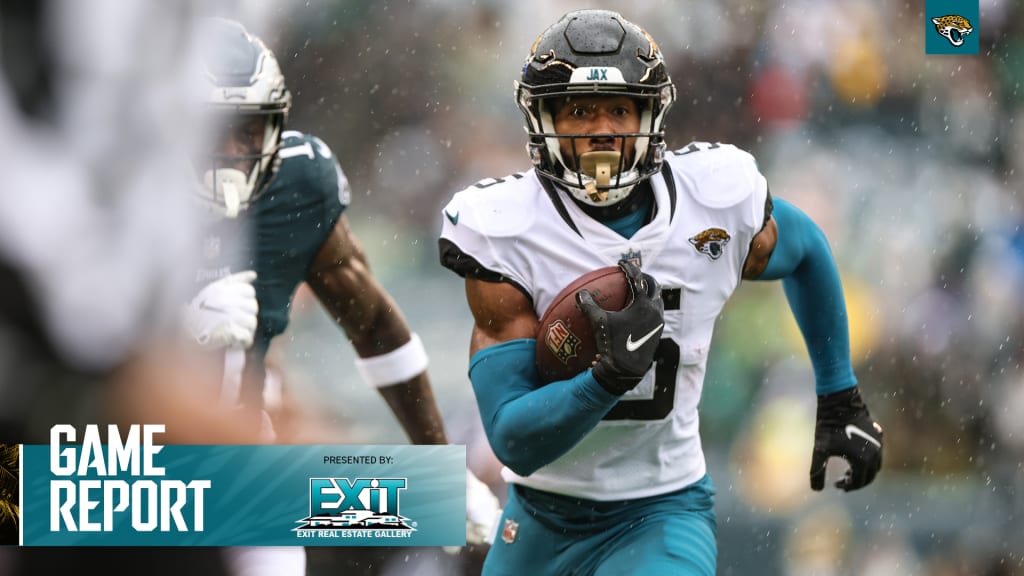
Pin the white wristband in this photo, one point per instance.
(396, 366)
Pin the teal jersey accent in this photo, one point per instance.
(629, 224)
(281, 232)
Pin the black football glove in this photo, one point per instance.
(627, 339)
(846, 429)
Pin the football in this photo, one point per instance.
(565, 341)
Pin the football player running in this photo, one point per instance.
(277, 199)
(606, 470)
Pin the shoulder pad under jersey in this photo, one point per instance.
(720, 175)
(493, 208)
(308, 162)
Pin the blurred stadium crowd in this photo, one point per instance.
(912, 165)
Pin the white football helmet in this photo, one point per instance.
(245, 82)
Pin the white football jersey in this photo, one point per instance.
(695, 245)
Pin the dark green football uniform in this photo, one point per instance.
(280, 233)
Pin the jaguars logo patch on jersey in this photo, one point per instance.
(711, 242)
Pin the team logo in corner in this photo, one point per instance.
(362, 508)
(711, 242)
(561, 341)
(953, 28)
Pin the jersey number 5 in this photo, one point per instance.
(666, 362)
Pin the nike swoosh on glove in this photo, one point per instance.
(845, 429)
(224, 313)
(628, 339)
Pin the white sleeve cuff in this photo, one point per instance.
(399, 365)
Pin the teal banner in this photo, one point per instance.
(323, 495)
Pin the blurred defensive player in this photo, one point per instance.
(276, 200)
(96, 228)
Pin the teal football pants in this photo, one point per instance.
(549, 534)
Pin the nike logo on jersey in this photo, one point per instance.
(633, 346)
(852, 431)
(454, 219)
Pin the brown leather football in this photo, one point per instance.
(565, 341)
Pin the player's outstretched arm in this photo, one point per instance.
(528, 424)
(801, 257)
(391, 357)
(797, 252)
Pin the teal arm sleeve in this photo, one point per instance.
(530, 424)
(803, 260)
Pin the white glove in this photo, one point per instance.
(483, 511)
(223, 314)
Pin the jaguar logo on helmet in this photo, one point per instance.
(654, 53)
(711, 242)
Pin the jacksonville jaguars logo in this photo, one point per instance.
(953, 28)
(653, 56)
(711, 242)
